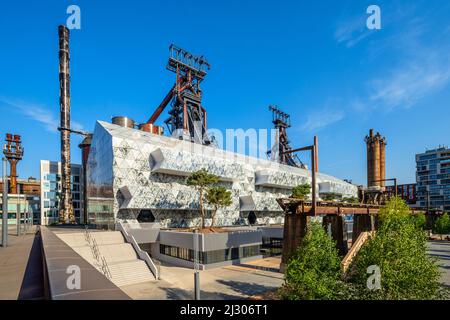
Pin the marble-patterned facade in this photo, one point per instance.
(131, 170)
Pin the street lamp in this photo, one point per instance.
(196, 267)
(5, 206)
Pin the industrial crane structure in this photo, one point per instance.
(188, 118)
(280, 151)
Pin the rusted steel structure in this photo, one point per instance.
(376, 159)
(188, 118)
(66, 214)
(297, 213)
(13, 152)
(280, 153)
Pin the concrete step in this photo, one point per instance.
(123, 263)
(131, 272)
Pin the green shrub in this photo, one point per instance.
(442, 224)
(314, 271)
(399, 250)
(419, 220)
(301, 191)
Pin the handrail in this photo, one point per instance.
(105, 268)
(101, 261)
(141, 253)
(356, 246)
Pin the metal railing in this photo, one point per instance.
(99, 259)
(143, 255)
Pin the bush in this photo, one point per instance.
(419, 220)
(399, 250)
(442, 224)
(301, 191)
(314, 271)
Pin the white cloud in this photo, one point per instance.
(352, 31)
(321, 119)
(406, 85)
(38, 113)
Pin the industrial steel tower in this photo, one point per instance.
(376, 159)
(66, 210)
(13, 152)
(280, 153)
(188, 118)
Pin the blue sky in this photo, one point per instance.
(314, 59)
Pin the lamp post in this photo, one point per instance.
(196, 267)
(5, 206)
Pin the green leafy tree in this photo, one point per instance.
(442, 225)
(332, 196)
(218, 197)
(301, 191)
(314, 271)
(419, 220)
(399, 250)
(350, 200)
(200, 180)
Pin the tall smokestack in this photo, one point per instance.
(383, 161)
(66, 211)
(376, 159)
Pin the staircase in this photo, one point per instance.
(121, 261)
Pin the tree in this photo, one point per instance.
(399, 250)
(351, 200)
(314, 271)
(200, 180)
(301, 191)
(442, 225)
(218, 197)
(419, 220)
(331, 196)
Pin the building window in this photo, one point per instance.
(210, 257)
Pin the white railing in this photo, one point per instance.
(141, 253)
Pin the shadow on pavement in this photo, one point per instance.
(33, 281)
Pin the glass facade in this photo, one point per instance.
(51, 191)
(209, 257)
(433, 179)
(100, 195)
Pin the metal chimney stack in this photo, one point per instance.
(66, 210)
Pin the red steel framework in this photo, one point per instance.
(13, 152)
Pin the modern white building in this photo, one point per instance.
(51, 191)
(132, 174)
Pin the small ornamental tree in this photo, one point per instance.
(218, 197)
(200, 180)
(442, 225)
(399, 250)
(301, 191)
(314, 271)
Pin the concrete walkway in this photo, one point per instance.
(225, 283)
(21, 267)
(441, 251)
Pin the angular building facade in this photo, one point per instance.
(132, 174)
